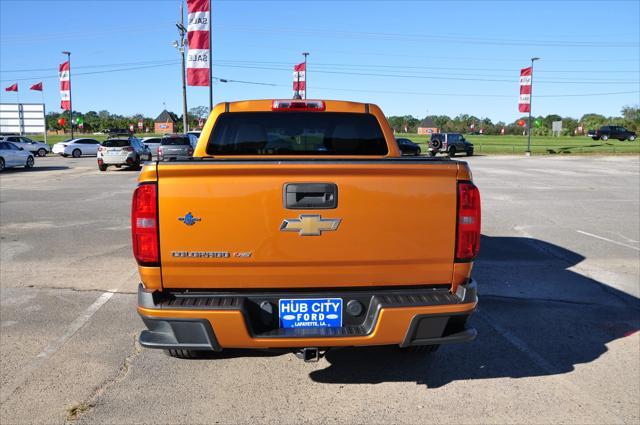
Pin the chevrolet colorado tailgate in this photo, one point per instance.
(394, 223)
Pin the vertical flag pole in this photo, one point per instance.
(306, 74)
(210, 61)
(528, 153)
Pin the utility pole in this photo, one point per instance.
(180, 46)
(306, 74)
(70, 104)
(528, 153)
(210, 62)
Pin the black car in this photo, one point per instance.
(607, 132)
(407, 147)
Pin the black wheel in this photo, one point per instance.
(42, 152)
(604, 137)
(1, 164)
(64, 155)
(119, 166)
(432, 153)
(77, 153)
(184, 354)
(632, 138)
(418, 152)
(595, 138)
(102, 167)
(29, 163)
(437, 144)
(470, 152)
(420, 349)
(452, 151)
(136, 164)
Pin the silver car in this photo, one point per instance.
(175, 147)
(122, 151)
(36, 148)
(13, 156)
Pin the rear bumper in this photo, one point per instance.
(213, 321)
(117, 159)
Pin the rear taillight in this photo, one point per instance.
(468, 227)
(144, 225)
(128, 149)
(297, 105)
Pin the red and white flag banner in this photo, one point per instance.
(65, 86)
(36, 86)
(300, 79)
(198, 27)
(524, 103)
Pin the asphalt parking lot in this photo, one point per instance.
(558, 320)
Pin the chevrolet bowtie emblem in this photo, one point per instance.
(310, 225)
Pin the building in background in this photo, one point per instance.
(427, 126)
(165, 123)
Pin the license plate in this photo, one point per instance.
(113, 153)
(310, 313)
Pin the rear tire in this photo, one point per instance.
(77, 153)
(452, 151)
(102, 167)
(29, 163)
(421, 349)
(418, 152)
(470, 152)
(632, 138)
(604, 137)
(183, 354)
(432, 153)
(1, 164)
(42, 152)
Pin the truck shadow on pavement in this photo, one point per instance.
(535, 318)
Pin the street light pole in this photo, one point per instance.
(530, 106)
(306, 74)
(210, 61)
(180, 46)
(70, 104)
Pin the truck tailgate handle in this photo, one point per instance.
(310, 196)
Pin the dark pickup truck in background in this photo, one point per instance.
(607, 132)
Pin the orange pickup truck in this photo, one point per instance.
(298, 225)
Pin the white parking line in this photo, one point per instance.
(608, 240)
(55, 345)
(579, 394)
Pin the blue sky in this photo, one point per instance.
(428, 57)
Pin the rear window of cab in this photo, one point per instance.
(296, 133)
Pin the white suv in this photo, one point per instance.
(36, 148)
